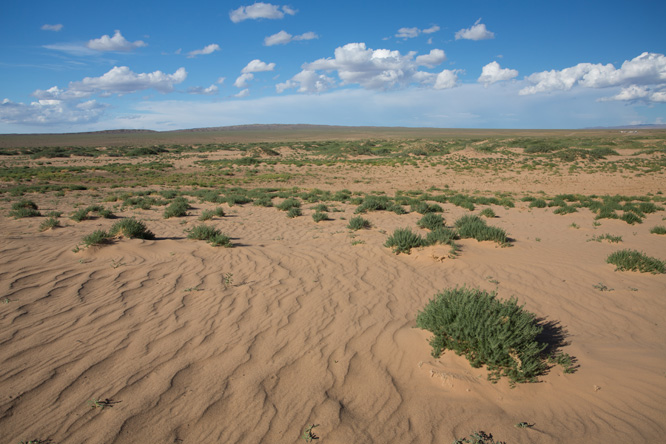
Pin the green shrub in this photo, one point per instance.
(633, 260)
(20, 213)
(318, 217)
(237, 199)
(403, 240)
(631, 218)
(472, 226)
(442, 235)
(425, 208)
(24, 203)
(538, 203)
(210, 234)
(97, 237)
(431, 221)
(321, 208)
(499, 334)
(132, 229)
(264, 201)
(288, 204)
(177, 208)
(49, 223)
(80, 215)
(659, 229)
(100, 210)
(609, 237)
(489, 213)
(358, 223)
(209, 214)
(294, 212)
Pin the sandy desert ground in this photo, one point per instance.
(312, 323)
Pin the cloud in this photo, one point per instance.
(446, 80)
(434, 58)
(212, 89)
(115, 43)
(260, 10)
(50, 112)
(209, 49)
(119, 80)
(257, 65)
(379, 69)
(476, 32)
(410, 33)
(220, 80)
(635, 93)
(283, 37)
(307, 81)
(55, 28)
(243, 79)
(492, 73)
(243, 93)
(648, 69)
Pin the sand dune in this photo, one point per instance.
(300, 324)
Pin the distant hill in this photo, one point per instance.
(631, 127)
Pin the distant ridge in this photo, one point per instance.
(265, 127)
(632, 127)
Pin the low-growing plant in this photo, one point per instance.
(210, 234)
(209, 214)
(80, 215)
(24, 203)
(634, 260)
(488, 212)
(294, 212)
(479, 437)
(565, 209)
(426, 208)
(49, 224)
(631, 218)
(22, 212)
(358, 223)
(309, 434)
(472, 226)
(608, 237)
(288, 204)
(321, 208)
(499, 334)
(538, 203)
(659, 229)
(264, 201)
(177, 208)
(97, 237)
(431, 221)
(403, 240)
(132, 229)
(318, 217)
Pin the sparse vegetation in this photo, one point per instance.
(632, 260)
(472, 226)
(498, 334)
(97, 237)
(131, 229)
(659, 229)
(210, 234)
(318, 217)
(431, 221)
(177, 208)
(49, 224)
(358, 223)
(403, 240)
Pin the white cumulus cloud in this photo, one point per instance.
(477, 32)
(50, 112)
(379, 69)
(283, 37)
(446, 79)
(257, 65)
(115, 43)
(55, 28)
(243, 79)
(119, 80)
(493, 73)
(243, 93)
(260, 10)
(307, 81)
(648, 69)
(208, 49)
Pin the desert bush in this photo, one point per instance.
(210, 234)
(633, 260)
(431, 221)
(403, 240)
(379, 203)
(294, 212)
(318, 216)
(499, 334)
(321, 208)
(538, 203)
(97, 237)
(659, 229)
(24, 203)
(358, 223)
(288, 204)
(264, 201)
(100, 211)
(237, 199)
(20, 213)
(177, 208)
(132, 229)
(565, 209)
(472, 226)
(425, 208)
(631, 218)
(49, 224)
(80, 215)
(609, 237)
(442, 235)
(209, 214)
(488, 212)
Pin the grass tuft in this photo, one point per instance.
(358, 223)
(472, 226)
(132, 229)
(403, 240)
(210, 234)
(633, 260)
(659, 229)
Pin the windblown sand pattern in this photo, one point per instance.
(301, 324)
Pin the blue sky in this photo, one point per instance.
(82, 66)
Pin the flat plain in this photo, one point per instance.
(305, 321)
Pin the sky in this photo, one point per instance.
(75, 66)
